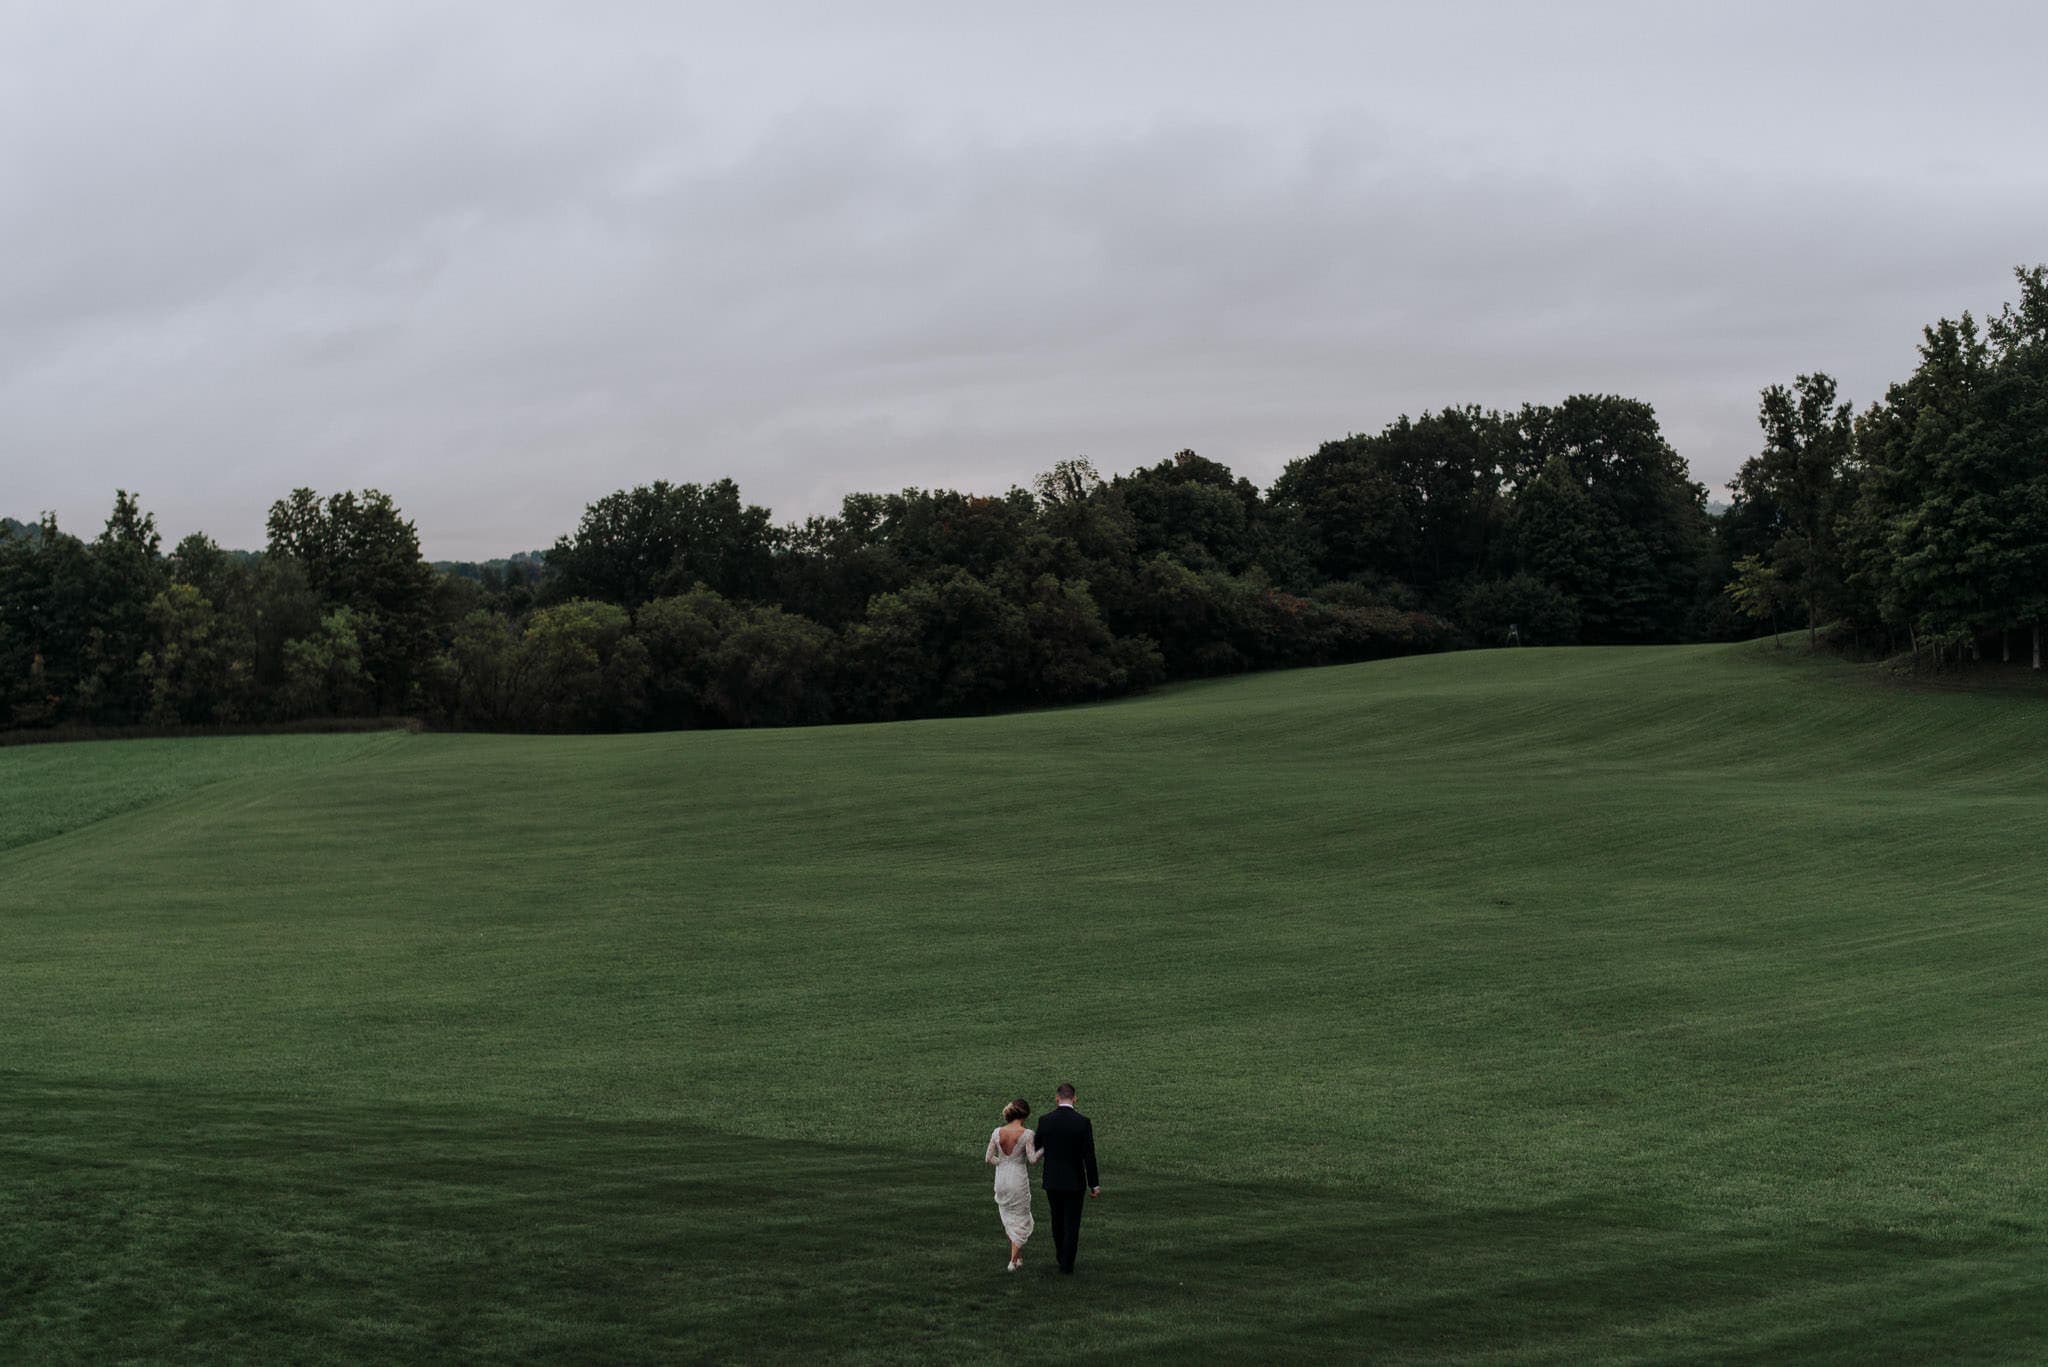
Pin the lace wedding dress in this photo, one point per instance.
(1013, 1182)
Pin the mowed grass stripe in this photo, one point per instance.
(50, 790)
(534, 1236)
(1521, 1006)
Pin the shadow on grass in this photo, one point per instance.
(143, 1224)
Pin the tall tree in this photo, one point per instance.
(127, 572)
(1196, 511)
(2018, 401)
(1795, 490)
(1419, 502)
(663, 538)
(1630, 519)
(359, 552)
(1921, 516)
(189, 676)
(48, 603)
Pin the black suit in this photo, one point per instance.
(1068, 1142)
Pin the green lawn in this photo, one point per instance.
(46, 790)
(1537, 1006)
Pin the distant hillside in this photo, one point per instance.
(10, 527)
(526, 563)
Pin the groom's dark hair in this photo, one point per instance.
(1064, 1092)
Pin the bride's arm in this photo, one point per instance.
(1032, 1153)
(994, 1154)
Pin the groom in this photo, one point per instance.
(1068, 1142)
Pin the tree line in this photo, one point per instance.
(1920, 524)
(679, 605)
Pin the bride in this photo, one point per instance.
(1010, 1147)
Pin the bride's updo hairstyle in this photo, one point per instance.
(1016, 1110)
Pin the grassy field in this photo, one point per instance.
(1538, 1006)
(46, 790)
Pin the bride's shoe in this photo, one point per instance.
(1014, 1265)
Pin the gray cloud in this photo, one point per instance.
(499, 268)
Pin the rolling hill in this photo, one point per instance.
(1533, 1006)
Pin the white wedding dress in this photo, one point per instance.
(1013, 1182)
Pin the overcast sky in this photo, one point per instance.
(499, 259)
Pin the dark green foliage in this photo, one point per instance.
(47, 604)
(1070, 654)
(828, 568)
(770, 668)
(1195, 511)
(481, 680)
(1196, 619)
(574, 666)
(1535, 612)
(1419, 502)
(1617, 522)
(909, 604)
(1585, 497)
(495, 575)
(719, 663)
(1759, 593)
(947, 645)
(75, 620)
(1791, 498)
(1351, 501)
(682, 605)
(278, 606)
(663, 538)
(127, 574)
(1554, 533)
(189, 671)
(358, 552)
(1923, 522)
(585, 671)
(323, 670)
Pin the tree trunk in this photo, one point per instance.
(2005, 641)
(2037, 645)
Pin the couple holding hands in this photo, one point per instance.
(1065, 1143)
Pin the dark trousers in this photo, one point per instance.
(1066, 1224)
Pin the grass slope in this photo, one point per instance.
(46, 790)
(1539, 1006)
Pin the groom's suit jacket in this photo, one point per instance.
(1068, 1142)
